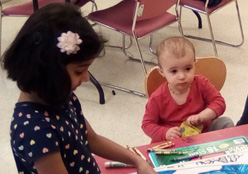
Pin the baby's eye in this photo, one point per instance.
(189, 68)
(173, 71)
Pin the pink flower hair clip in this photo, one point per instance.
(68, 42)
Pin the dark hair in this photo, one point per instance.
(35, 61)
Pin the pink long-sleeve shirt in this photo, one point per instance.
(162, 112)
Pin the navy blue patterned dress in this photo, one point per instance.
(37, 130)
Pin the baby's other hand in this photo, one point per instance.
(173, 133)
(194, 120)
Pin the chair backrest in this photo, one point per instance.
(212, 68)
(152, 8)
(207, 6)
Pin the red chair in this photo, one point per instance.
(202, 7)
(136, 19)
(28, 8)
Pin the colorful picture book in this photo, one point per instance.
(201, 151)
(224, 169)
(234, 163)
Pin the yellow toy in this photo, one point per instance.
(189, 130)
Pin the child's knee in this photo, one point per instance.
(221, 123)
(227, 122)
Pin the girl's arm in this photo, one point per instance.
(50, 163)
(108, 149)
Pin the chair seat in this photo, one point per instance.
(27, 9)
(122, 20)
(200, 5)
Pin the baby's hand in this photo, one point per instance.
(195, 120)
(173, 133)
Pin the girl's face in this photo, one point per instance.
(179, 72)
(78, 72)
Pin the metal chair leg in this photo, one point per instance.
(212, 36)
(99, 88)
(137, 59)
(124, 49)
(179, 14)
(211, 32)
(240, 23)
(35, 5)
(140, 54)
(206, 39)
(199, 19)
(94, 6)
(150, 45)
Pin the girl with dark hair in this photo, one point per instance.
(49, 59)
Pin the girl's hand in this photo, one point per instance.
(195, 120)
(143, 167)
(173, 133)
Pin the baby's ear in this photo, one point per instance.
(160, 70)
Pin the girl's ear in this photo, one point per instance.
(160, 70)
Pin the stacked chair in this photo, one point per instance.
(207, 9)
(136, 19)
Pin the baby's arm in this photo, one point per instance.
(204, 116)
(151, 123)
(215, 103)
(108, 149)
(50, 163)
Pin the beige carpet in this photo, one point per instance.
(120, 117)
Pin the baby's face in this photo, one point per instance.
(179, 71)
